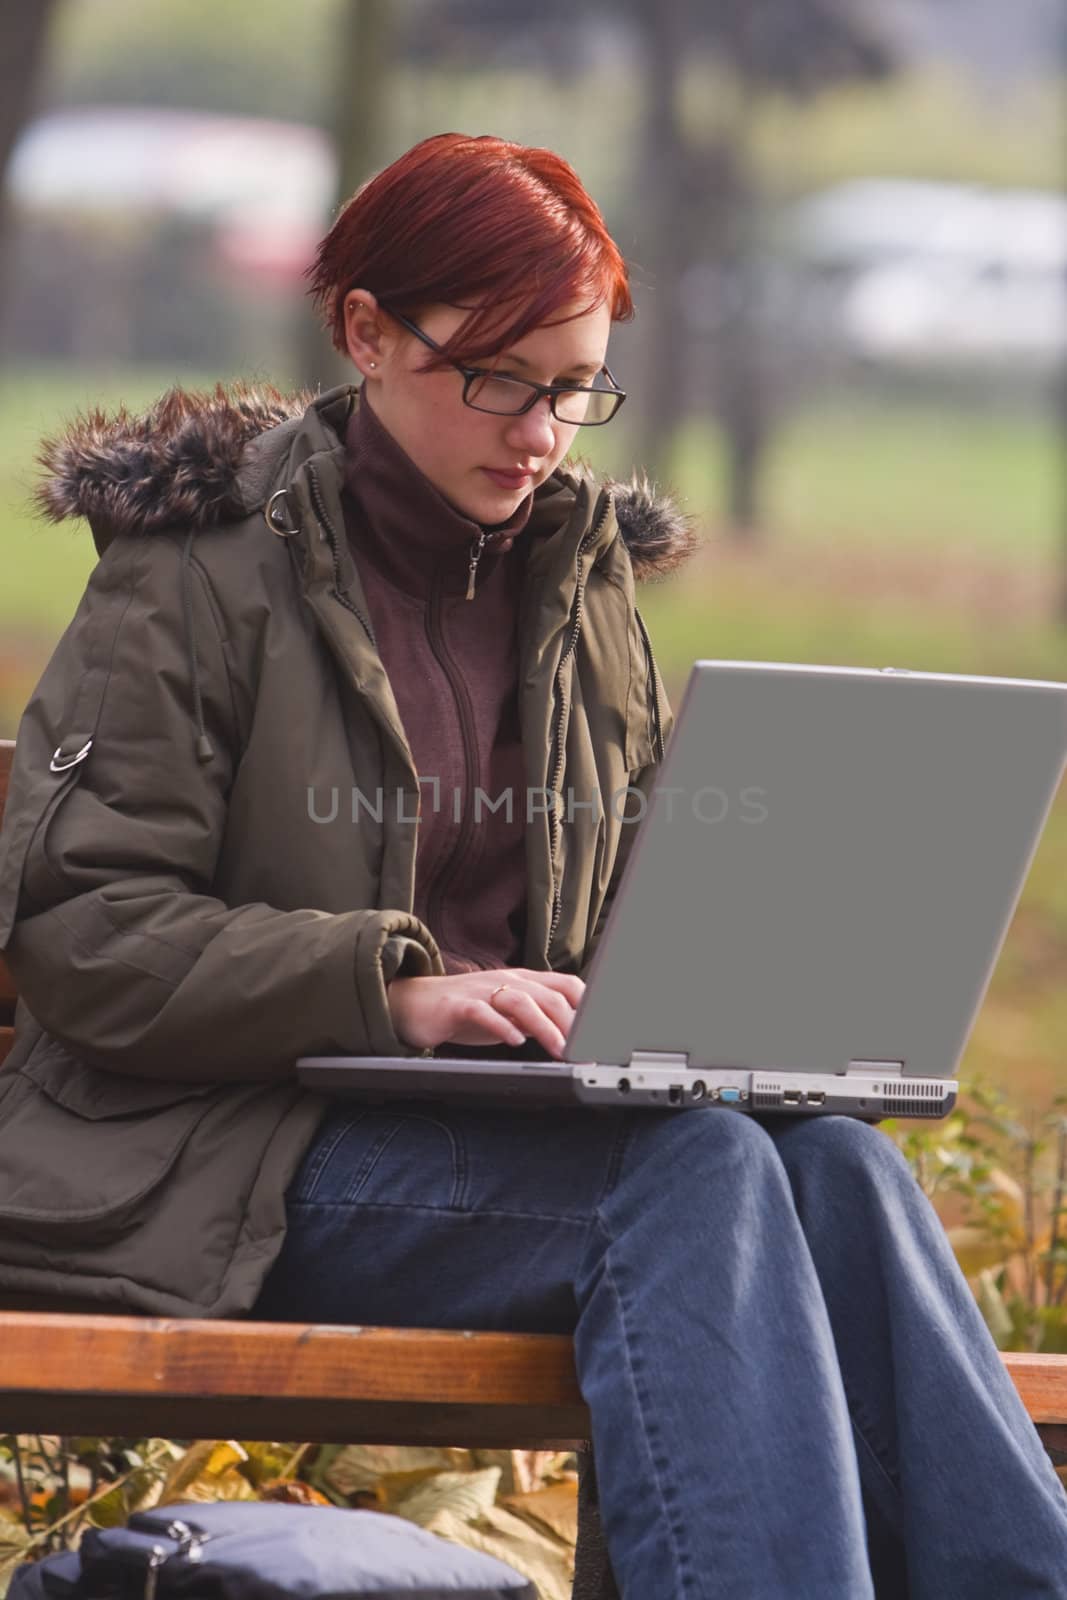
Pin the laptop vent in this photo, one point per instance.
(916, 1100)
(768, 1094)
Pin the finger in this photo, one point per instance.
(526, 1011)
(565, 983)
(500, 1026)
(558, 1006)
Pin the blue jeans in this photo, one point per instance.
(793, 1394)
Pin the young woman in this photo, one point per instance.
(312, 624)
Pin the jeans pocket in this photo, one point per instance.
(383, 1155)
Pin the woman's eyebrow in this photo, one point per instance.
(591, 366)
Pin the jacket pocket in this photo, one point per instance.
(82, 1150)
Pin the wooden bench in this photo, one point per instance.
(96, 1374)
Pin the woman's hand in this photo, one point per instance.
(540, 1005)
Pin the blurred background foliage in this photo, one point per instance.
(847, 234)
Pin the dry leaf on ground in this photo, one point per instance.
(464, 1494)
(358, 1467)
(540, 1557)
(554, 1508)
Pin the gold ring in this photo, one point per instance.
(497, 990)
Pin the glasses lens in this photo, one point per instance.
(587, 405)
(501, 395)
(508, 396)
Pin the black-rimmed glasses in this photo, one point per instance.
(511, 397)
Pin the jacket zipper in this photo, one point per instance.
(553, 816)
(657, 746)
(328, 528)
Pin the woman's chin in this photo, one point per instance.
(489, 507)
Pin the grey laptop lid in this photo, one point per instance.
(826, 870)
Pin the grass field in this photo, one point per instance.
(894, 538)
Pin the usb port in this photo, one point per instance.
(816, 1097)
(792, 1097)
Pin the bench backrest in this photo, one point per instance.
(7, 982)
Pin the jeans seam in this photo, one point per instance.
(360, 1178)
(458, 1201)
(368, 1164)
(614, 1164)
(459, 1162)
(309, 1180)
(859, 1425)
(644, 1413)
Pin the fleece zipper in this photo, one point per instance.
(451, 868)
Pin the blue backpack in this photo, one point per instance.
(256, 1550)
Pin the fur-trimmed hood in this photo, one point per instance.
(183, 463)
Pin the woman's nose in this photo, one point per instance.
(533, 433)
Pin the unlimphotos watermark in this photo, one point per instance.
(707, 804)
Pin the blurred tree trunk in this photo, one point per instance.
(663, 32)
(698, 197)
(700, 205)
(744, 400)
(360, 96)
(24, 26)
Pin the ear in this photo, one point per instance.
(363, 331)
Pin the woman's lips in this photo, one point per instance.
(509, 480)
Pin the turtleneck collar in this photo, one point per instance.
(419, 538)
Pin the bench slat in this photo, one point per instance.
(1042, 1383)
(210, 1379)
(293, 1360)
(213, 1379)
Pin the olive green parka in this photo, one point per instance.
(180, 926)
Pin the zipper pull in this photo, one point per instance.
(151, 1577)
(477, 546)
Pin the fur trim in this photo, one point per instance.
(658, 535)
(178, 465)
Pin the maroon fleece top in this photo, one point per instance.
(453, 667)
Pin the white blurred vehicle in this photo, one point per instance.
(264, 186)
(929, 311)
(942, 276)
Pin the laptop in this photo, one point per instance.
(812, 910)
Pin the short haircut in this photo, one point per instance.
(479, 221)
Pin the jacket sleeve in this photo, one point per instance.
(108, 855)
(643, 781)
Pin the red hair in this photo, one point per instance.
(459, 219)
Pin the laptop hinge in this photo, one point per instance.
(660, 1058)
(879, 1069)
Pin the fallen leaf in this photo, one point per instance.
(464, 1494)
(555, 1507)
(539, 1557)
(359, 1466)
